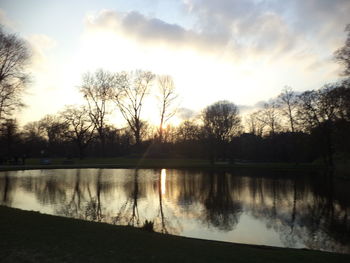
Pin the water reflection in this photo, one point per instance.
(7, 188)
(221, 201)
(289, 210)
(162, 181)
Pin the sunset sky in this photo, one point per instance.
(244, 51)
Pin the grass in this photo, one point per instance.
(150, 163)
(34, 237)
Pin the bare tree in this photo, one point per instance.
(221, 122)
(318, 111)
(131, 89)
(166, 98)
(342, 55)
(255, 125)
(316, 107)
(14, 57)
(288, 104)
(342, 92)
(188, 131)
(270, 117)
(33, 135)
(169, 134)
(8, 132)
(97, 89)
(80, 127)
(33, 129)
(54, 129)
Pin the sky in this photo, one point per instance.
(244, 51)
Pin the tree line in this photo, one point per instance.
(293, 127)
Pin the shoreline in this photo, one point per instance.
(130, 163)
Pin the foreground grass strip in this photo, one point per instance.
(33, 237)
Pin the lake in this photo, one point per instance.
(285, 209)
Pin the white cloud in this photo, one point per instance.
(274, 26)
(151, 31)
(40, 45)
(237, 30)
(185, 114)
(48, 92)
(6, 21)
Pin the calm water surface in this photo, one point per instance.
(278, 209)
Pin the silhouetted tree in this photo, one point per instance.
(189, 140)
(166, 98)
(287, 103)
(255, 125)
(118, 141)
(131, 89)
(8, 138)
(54, 130)
(97, 89)
(14, 57)
(221, 122)
(249, 146)
(340, 94)
(317, 111)
(188, 131)
(33, 134)
(270, 117)
(80, 127)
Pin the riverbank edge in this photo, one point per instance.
(159, 164)
(36, 237)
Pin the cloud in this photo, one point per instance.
(320, 17)
(40, 44)
(152, 31)
(246, 109)
(273, 26)
(6, 21)
(185, 113)
(221, 36)
(237, 29)
(269, 32)
(251, 27)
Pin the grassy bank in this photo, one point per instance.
(57, 163)
(33, 237)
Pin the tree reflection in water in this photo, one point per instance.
(161, 192)
(222, 210)
(93, 208)
(165, 220)
(305, 211)
(128, 212)
(73, 206)
(6, 187)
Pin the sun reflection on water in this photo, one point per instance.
(162, 181)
